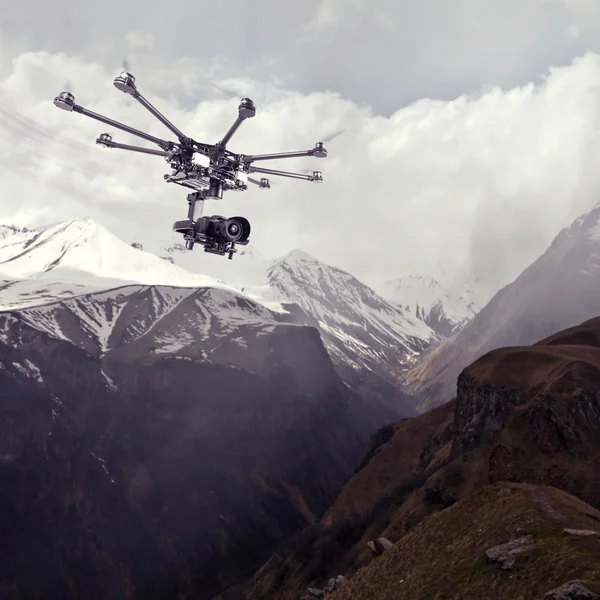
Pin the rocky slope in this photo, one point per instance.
(557, 291)
(170, 437)
(505, 541)
(523, 414)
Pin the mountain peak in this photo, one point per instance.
(298, 255)
(82, 252)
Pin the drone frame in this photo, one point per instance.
(217, 171)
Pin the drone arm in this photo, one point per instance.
(182, 138)
(246, 110)
(146, 136)
(231, 131)
(105, 140)
(125, 82)
(316, 175)
(318, 151)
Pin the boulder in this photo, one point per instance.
(572, 590)
(379, 546)
(505, 554)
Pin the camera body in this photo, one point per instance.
(218, 234)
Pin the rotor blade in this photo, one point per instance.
(332, 137)
(66, 101)
(227, 93)
(33, 128)
(312, 177)
(259, 183)
(126, 83)
(108, 143)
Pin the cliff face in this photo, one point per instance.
(166, 455)
(525, 414)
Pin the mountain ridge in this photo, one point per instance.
(558, 289)
(371, 341)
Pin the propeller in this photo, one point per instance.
(332, 136)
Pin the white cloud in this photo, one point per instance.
(484, 181)
(138, 40)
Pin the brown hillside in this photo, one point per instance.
(445, 557)
(523, 414)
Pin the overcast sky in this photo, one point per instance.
(471, 127)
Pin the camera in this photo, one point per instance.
(219, 235)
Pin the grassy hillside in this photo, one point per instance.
(444, 557)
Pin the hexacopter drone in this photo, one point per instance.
(209, 169)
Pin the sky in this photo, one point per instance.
(470, 130)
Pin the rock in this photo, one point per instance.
(379, 546)
(505, 554)
(312, 593)
(581, 532)
(519, 533)
(572, 590)
(335, 583)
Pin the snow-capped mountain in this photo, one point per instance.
(359, 327)
(443, 309)
(559, 290)
(371, 341)
(77, 257)
(248, 267)
(366, 336)
(208, 324)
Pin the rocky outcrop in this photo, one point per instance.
(379, 546)
(334, 584)
(505, 554)
(572, 590)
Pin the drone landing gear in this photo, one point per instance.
(217, 234)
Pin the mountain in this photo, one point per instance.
(443, 310)
(163, 440)
(163, 426)
(482, 526)
(371, 341)
(76, 257)
(559, 289)
(247, 268)
(528, 414)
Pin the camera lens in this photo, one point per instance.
(237, 229)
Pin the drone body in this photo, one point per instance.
(208, 169)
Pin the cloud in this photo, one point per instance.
(384, 55)
(481, 182)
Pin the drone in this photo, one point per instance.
(208, 169)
